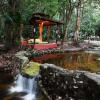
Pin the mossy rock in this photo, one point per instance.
(31, 69)
(98, 59)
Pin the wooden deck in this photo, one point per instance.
(40, 46)
(45, 46)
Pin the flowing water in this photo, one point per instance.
(28, 85)
(22, 89)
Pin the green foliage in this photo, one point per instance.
(90, 19)
(90, 13)
(58, 9)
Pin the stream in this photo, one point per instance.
(22, 88)
(28, 85)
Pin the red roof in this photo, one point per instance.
(38, 18)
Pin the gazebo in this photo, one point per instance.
(40, 20)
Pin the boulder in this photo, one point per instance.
(60, 84)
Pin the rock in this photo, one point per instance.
(62, 84)
(21, 55)
(31, 69)
(9, 64)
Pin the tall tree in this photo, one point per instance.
(78, 19)
(12, 19)
(69, 11)
(66, 11)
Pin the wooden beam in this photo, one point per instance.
(40, 31)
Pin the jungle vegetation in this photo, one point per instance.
(80, 17)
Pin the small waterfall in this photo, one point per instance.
(28, 85)
(19, 85)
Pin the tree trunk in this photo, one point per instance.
(69, 11)
(10, 25)
(21, 31)
(76, 35)
(8, 35)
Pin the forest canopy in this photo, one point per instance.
(79, 16)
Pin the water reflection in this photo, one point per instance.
(74, 60)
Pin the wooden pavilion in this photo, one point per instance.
(40, 20)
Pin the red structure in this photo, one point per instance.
(46, 57)
(41, 20)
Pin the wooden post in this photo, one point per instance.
(34, 33)
(40, 31)
(48, 33)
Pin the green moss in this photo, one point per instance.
(98, 59)
(32, 69)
